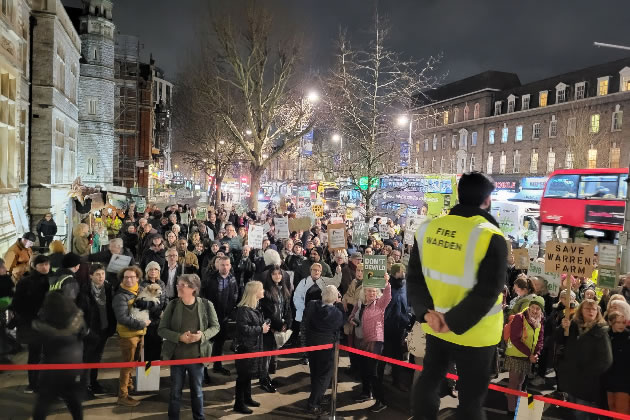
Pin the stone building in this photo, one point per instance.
(96, 92)
(160, 168)
(55, 112)
(492, 123)
(14, 105)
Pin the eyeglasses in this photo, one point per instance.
(130, 277)
(172, 256)
(181, 285)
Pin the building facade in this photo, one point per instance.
(55, 113)
(14, 106)
(492, 123)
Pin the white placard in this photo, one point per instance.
(337, 237)
(282, 227)
(383, 231)
(553, 280)
(118, 262)
(608, 255)
(266, 227)
(507, 216)
(255, 236)
(533, 251)
(409, 237)
(336, 220)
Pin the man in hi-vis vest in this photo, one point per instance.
(456, 274)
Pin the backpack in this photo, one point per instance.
(508, 327)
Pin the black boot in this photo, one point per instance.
(206, 376)
(265, 384)
(247, 395)
(239, 400)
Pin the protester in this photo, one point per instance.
(155, 252)
(171, 272)
(523, 293)
(131, 239)
(152, 341)
(250, 327)
(56, 253)
(186, 258)
(60, 330)
(18, 256)
(46, 230)
(188, 326)
(116, 247)
(80, 241)
(616, 381)
(130, 330)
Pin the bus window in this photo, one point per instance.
(562, 186)
(623, 187)
(598, 186)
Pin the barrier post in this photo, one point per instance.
(333, 396)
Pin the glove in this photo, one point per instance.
(143, 304)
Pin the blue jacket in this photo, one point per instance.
(397, 312)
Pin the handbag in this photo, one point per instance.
(147, 380)
(282, 337)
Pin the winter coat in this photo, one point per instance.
(397, 312)
(585, 359)
(151, 255)
(164, 277)
(351, 297)
(190, 261)
(299, 296)
(17, 259)
(617, 379)
(321, 323)
(347, 275)
(46, 228)
(104, 257)
(87, 303)
(170, 327)
(81, 245)
(373, 318)
(70, 285)
(30, 293)
(277, 310)
(131, 241)
(56, 260)
(127, 326)
(224, 302)
(248, 338)
(155, 313)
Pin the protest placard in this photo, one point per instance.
(300, 224)
(349, 214)
(337, 237)
(266, 227)
(374, 267)
(360, 233)
(118, 262)
(335, 220)
(318, 210)
(576, 259)
(521, 258)
(383, 231)
(607, 278)
(553, 280)
(608, 254)
(255, 236)
(282, 227)
(533, 251)
(202, 213)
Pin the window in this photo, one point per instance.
(599, 186)
(571, 126)
(519, 133)
(551, 160)
(424, 166)
(562, 186)
(594, 128)
(491, 137)
(433, 165)
(417, 146)
(466, 112)
(580, 90)
(568, 161)
(456, 115)
(463, 140)
(426, 145)
(472, 163)
(454, 141)
(511, 101)
(542, 98)
(476, 111)
(624, 79)
(536, 131)
(525, 103)
(516, 168)
(473, 138)
(617, 117)
(92, 107)
(453, 169)
(561, 93)
(435, 140)
(445, 117)
(442, 160)
(553, 127)
(502, 163)
(443, 142)
(7, 8)
(497, 108)
(602, 86)
(533, 167)
(489, 163)
(90, 166)
(615, 154)
(592, 158)
(504, 134)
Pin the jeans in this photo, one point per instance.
(474, 369)
(129, 348)
(195, 377)
(372, 384)
(321, 364)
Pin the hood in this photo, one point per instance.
(76, 324)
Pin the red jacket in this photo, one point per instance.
(373, 319)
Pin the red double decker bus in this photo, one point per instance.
(587, 203)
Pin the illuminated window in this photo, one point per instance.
(542, 98)
(491, 137)
(504, 134)
(551, 160)
(615, 154)
(592, 158)
(516, 168)
(594, 129)
(489, 163)
(417, 146)
(533, 167)
(602, 86)
(502, 163)
(445, 117)
(519, 133)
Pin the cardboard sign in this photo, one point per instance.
(118, 262)
(318, 210)
(533, 251)
(282, 227)
(607, 278)
(521, 258)
(255, 236)
(553, 280)
(576, 259)
(337, 237)
(360, 233)
(374, 267)
(301, 224)
(383, 230)
(202, 213)
(336, 220)
(608, 254)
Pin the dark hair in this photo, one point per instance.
(525, 283)
(474, 187)
(95, 267)
(270, 286)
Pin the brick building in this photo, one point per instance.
(55, 113)
(492, 123)
(14, 110)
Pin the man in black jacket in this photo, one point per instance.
(64, 279)
(475, 299)
(220, 288)
(154, 253)
(116, 247)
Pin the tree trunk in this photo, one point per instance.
(217, 198)
(256, 173)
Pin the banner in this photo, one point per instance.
(118, 262)
(301, 224)
(576, 259)
(374, 268)
(307, 144)
(337, 237)
(360, 232)
(202, 213)
(282, 227)
(255, 236)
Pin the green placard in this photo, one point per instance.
(374, 268)
(607, 278)
(202, 213)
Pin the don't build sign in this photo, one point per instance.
(575, 259)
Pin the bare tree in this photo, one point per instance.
(365, 93)
(583, 130)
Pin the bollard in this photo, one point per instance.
(333, 396)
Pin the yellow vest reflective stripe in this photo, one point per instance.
(451, 249)
(530, 339)
(59, 283)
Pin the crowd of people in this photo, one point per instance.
(185, 280)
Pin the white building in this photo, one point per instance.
(14, 103)
(55, 112)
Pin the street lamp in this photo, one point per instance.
(403, 121)
(337, 138)
(248, 132)
(312, 96)
(221, 141)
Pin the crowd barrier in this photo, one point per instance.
(336, 347)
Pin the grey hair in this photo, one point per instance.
(330, 294)
(192, 280)
(116, 241)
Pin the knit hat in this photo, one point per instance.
(70, 260)
(396, 268)
(538, 300)
(356, 255)
(39, 259)
(58, 310)
(215, 243)
(151, 265)
(29, 236)
(319, 250)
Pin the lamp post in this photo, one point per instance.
(402, 121)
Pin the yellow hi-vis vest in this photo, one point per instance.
(529, 338)
(451, 249)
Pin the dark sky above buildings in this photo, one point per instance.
(533, 38)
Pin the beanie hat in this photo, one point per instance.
(396, 268)
(70, 260)
(215, 243)
(151, 265)
(319, 250)
(29, 236)
(58, 310)
(39, 259)
(538, 300)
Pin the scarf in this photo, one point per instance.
(133, 289)
(99, 294)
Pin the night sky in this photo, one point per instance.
(533, 38)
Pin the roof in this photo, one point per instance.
(491, 79)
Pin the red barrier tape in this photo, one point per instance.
(495, 387)
(118, 365)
